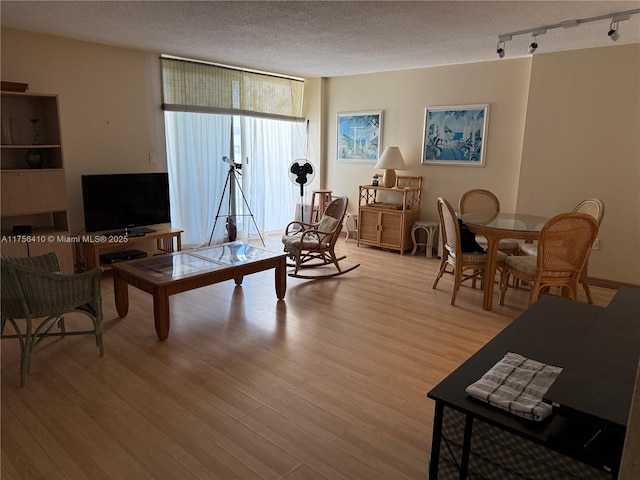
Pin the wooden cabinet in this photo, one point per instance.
(386, 215)
(34, 193)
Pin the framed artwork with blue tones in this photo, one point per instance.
(359, 136)
(455, 135)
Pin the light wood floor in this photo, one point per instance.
(330, 383)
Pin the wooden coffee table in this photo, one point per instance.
(177, 272)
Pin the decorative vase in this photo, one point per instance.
(34, 158)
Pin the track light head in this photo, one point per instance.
(613, 31)
(500, 50)
(533, 45)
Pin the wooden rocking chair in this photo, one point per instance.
(313, 244)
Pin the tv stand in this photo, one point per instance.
(92, 245)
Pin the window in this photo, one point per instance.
(231, 136)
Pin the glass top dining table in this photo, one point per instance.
(496, 226)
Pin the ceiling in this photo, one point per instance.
(324, 38)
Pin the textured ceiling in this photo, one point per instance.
(324, 39)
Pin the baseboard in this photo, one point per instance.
(612, 284)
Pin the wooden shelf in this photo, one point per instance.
(34, 197)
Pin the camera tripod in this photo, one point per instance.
(231, 183)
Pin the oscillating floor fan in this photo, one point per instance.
(301, 172)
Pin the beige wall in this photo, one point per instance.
(111, 121)
(109, 104)
(403, 96)
(562, 127)
(582, 140)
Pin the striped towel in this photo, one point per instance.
(517, 384)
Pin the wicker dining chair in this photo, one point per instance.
(593, 207)
(34, 290)
(563, 248)
(313, 244)
(452, 254)
(479, 200)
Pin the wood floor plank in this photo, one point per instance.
(328, 384)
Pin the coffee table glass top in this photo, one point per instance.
(201, 260)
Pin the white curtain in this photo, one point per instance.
(196, 144)
(271, 146)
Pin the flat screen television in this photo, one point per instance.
(125, 201)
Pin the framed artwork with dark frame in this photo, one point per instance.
(455, 135)
(359, 136)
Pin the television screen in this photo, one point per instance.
(125, 200)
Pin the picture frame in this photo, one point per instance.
(359, 136)
(455, 135)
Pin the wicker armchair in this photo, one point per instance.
(593, 207)
(34, 290)
(313, 244)
(453, 255)
(563, 248)
(484, 201)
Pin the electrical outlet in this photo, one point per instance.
(596, 244)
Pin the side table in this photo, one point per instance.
(351, 225)
(430, 228)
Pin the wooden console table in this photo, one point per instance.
(167, 240)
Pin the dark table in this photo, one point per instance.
(598, 349)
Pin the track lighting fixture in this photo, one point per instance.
(613, 32)
(533, 44)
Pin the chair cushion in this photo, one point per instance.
(327, 224)
(523, 263)
(293, 243)
(504, 244)
(529, 248)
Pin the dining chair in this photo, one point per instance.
(478, 200)
(34, 290)
(452, 254)
(563, 248)
(593, 207)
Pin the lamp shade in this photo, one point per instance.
(391, 160)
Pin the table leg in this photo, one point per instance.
(435, 442)
(161, 312)
(466, 446)
(238, 280)
(281, 278)
(121, 294)
(490, 271)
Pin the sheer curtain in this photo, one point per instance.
(196, 143)
(271, 146)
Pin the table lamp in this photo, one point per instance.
(391, 160)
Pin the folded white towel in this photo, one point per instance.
(517, 384)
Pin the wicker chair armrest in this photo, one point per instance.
(297, 227)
